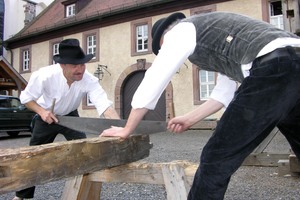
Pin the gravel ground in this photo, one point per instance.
(249, 182)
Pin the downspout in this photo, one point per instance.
(289, 17)
(11, 56)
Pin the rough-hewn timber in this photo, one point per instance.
(177, 176)
(34, 165)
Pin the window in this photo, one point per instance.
(203, 81)
(91, 45)
(276, 17)
(206, 83)
(88, 101)
(87, 104)
(25, 64)
(54, 51)
(70, 10)
(25, 57)
(140, 38)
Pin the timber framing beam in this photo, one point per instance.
(176, 176)
(28, 166)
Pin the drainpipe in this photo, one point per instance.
(11, 54)
(11, 57)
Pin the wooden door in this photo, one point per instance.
(129, 87)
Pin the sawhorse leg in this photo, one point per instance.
(81, 188)
(177, 176)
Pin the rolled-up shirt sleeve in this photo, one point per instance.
(178, 44)
(99, 97)
(33, 90)
(224, 90)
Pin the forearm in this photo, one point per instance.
(111, 113)
(46, 115)
(136, 115)
(206, 109)
(32, 105)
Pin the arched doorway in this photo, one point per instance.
(124, 90)
(130, 85)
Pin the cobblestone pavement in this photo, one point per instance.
(249, 182)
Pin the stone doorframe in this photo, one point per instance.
(141, 65)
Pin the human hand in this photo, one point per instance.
(115, 131)
(178, 124)
(48, 117)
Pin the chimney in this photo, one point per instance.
(30, 12)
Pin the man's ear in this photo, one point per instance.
(62, 65)
(161, 41)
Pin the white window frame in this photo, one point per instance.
(25, 60)
(276, 20)
(55, 51)
(142, 38)
(88, 101)
(91, 45)
(206, 86)
(70, 10)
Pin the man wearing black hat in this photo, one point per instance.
(263, 59)
(66, 83)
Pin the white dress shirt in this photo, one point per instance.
(179, 43)
(49, 82)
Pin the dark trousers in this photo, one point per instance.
(269, 97)
(44, 133)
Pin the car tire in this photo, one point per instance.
(13, 133)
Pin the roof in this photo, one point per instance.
(53, 16)
(52, 23)
(10, 78)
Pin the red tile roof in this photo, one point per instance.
(54, 16)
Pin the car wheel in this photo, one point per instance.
(13, 133)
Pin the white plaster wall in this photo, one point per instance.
(14, 17)
(115, 52)
(252, 8)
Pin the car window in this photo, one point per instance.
(9, 103)
(4, 103)
(14, 103)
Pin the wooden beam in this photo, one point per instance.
(80, 188)
(142, 172)
(177, 176)
(176, 184)
(294, 164)
(34, 165)
(263, 145)
(264, 159)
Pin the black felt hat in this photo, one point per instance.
(160, 26)
(71, 53)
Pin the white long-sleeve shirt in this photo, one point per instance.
(179, 43)
(49, 82)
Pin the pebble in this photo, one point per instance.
(248, 183)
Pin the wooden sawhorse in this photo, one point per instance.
(177, 176)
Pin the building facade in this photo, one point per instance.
(118, 33)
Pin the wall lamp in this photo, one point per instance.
(99, 73)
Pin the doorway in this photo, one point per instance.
(130, 85)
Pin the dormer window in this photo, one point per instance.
(73, 7)
(70, 10)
